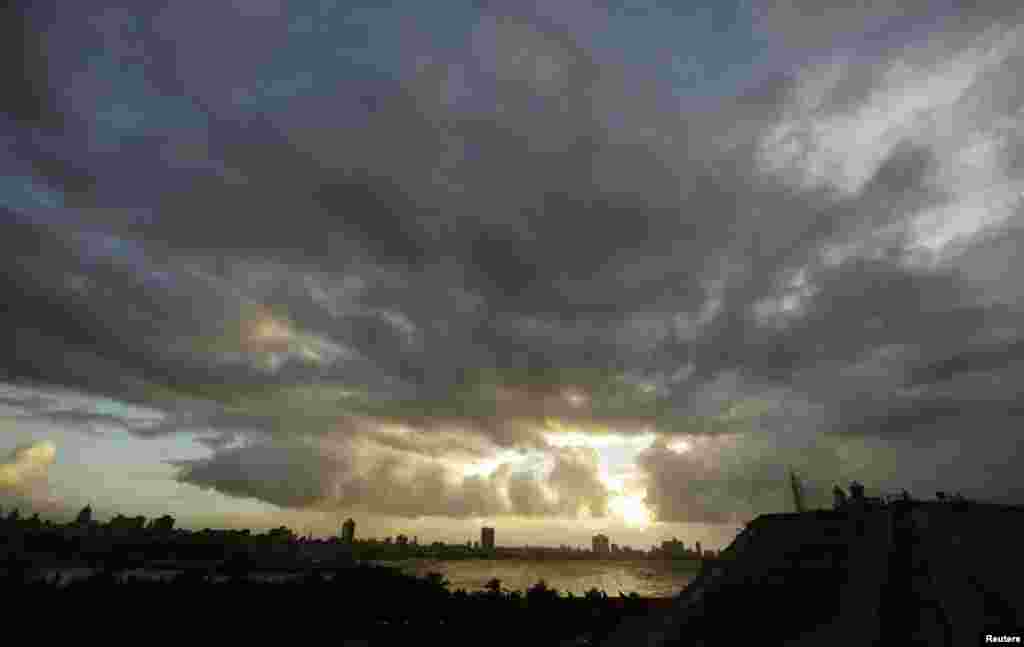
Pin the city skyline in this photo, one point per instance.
(557, 269)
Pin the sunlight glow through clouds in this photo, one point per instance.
(27, 462)
(680, 446)
(626, 501)
(274, 339)
(559, 434)
(486, 468)
(632, 510)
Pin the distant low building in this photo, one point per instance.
(600, 544)
(487, 538)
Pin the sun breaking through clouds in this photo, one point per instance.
(589, 263)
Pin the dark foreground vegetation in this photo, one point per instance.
(363, 604)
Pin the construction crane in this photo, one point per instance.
(798, 491)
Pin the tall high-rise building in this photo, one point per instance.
(600, 544)
(487, 538)
(348, 531)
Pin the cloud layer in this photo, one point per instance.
(466, 230)
(26, 464)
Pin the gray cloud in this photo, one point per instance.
(370, 474)
(462, 244)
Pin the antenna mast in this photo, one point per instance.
(798, 491)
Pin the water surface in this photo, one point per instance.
(646, 578)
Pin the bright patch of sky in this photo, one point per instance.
(117, 472)
(25, 193)
(706, 46)
(123, 103)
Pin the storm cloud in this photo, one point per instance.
(360, 254)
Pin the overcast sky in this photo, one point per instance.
(557, 267)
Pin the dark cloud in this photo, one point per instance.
(280, 239)
(24, 72)
(296, 473)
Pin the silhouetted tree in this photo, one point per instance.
(493, 587)
(437, 580)
(541, 593)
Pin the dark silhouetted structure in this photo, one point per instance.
(85, 516)
(838, 497)
(798, 492)
(487, 538)
(348, 531)
(600, 544)
(164, 524)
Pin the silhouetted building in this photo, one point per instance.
(487, 538)
(348, 531)
(402, 540)
(599, 544)
(84, 516)
(856, 491)
(838, 497)
(699, 553)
